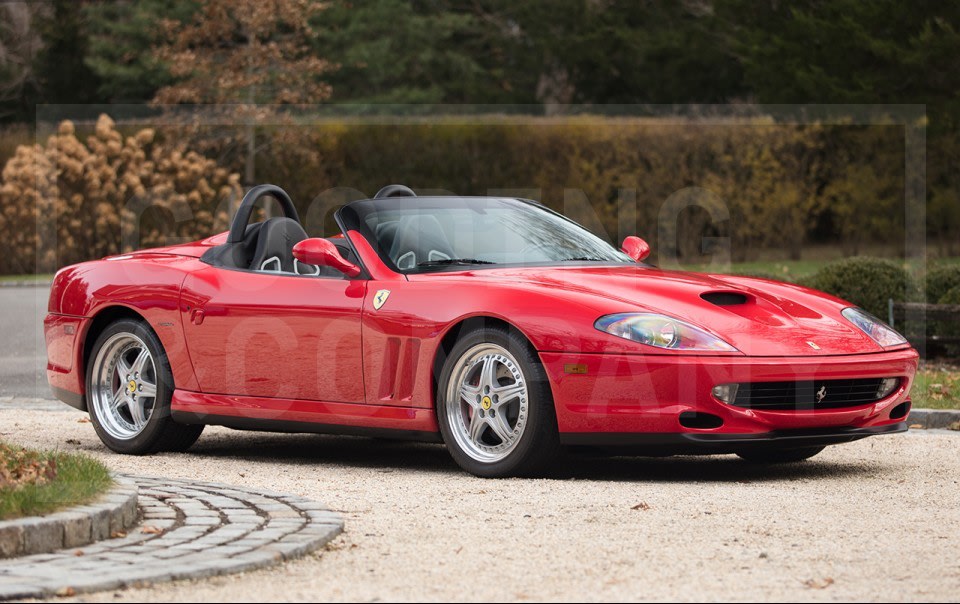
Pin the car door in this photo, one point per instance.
(274, 335)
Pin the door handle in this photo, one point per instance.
(197, 316)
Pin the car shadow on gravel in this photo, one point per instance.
(313, 449)
(704, 468)
(392, 455)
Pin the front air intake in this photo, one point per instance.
(900, 411)
(806, 395)
(700, 421)
(724, 298)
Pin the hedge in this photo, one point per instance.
(752, 183)
(864, 281)
(940, 281)
(951, 329)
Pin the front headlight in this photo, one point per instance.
(878, 331)
(662, 332)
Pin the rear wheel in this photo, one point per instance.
(779, 455)
(494, 406)
(129, 386)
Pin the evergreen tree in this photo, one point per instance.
(122, 36)
(63, 75)
(396, 51)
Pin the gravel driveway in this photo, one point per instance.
(874, 520)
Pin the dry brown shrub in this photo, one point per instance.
(72, 200)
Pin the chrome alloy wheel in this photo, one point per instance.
(487, 403)
(124, 385)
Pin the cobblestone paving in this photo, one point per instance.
(188, 530)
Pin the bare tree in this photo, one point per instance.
(247, 57)
(20, 42)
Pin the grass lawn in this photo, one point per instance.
(937, 387)
(792, 270)
(42, 277)
(788, 270)
(38, 482)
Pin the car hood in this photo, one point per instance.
(762, 318)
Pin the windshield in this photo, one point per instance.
(420, 234)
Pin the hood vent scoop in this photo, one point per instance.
(724, 298)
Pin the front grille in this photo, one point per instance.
(804, 394)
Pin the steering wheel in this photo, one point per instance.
(239, 226)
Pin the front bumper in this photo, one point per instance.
(63, 336)
(646, 394)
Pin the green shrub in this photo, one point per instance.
(867, 282)
(940, 281)
(951, 329)
(952, 296)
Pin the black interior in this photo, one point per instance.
(268, 246)
(418, 239)
(275, 243)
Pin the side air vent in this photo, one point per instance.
(724, 298)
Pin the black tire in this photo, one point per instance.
(160, 433)
(539, 444)
(773, 456)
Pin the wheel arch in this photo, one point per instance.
(100, 321)
(453, 334)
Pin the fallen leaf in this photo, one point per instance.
(83, 420)
(150, 530)
(643, 506)
(118, 534)
(916, 426)
(815, 584)
(66, 592)
(78, 553)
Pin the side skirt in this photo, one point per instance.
(293, 415)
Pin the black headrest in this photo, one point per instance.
(275, 245)
(419, 239)
(235, 255)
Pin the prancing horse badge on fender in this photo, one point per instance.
(380, 298)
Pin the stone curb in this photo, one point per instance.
(190, 530)
(115, 510)
(933, 419)
(25, 283)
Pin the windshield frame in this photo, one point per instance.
(350, 219)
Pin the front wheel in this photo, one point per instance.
(129, 386)
(494, 406)
(767, 456)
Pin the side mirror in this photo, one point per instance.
(321, 252)
(636, 248)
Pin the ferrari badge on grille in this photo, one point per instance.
(821, 394)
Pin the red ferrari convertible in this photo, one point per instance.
(495, 325)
